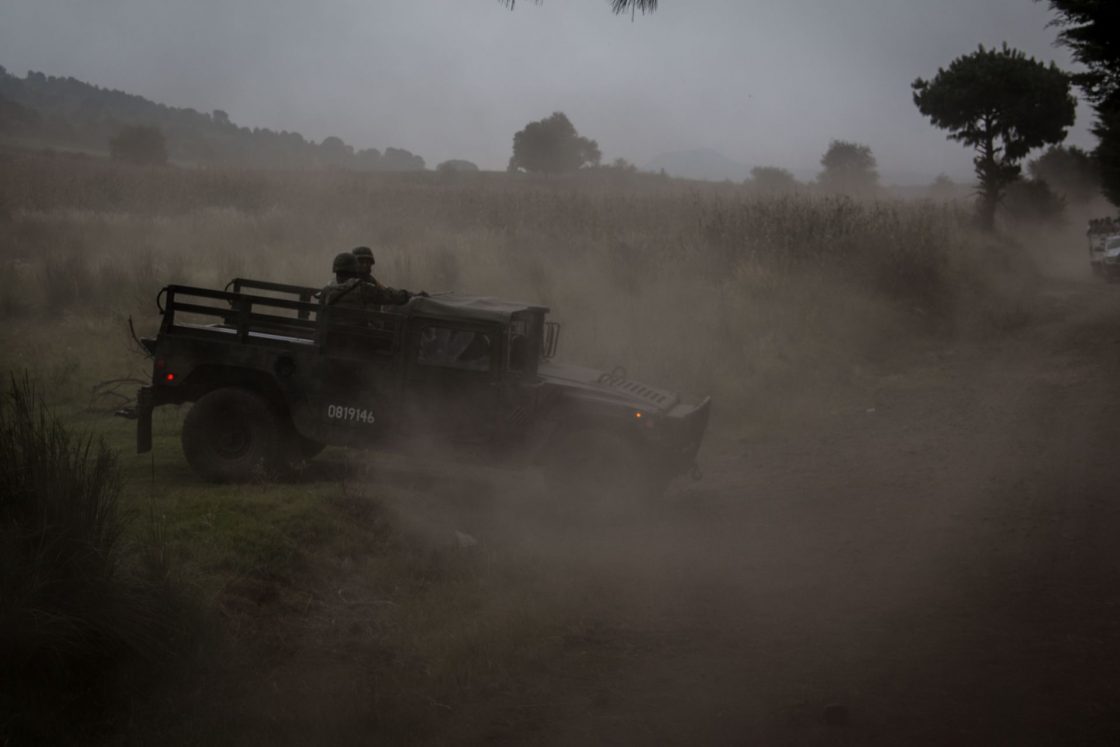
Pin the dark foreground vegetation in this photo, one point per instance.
(85, 619)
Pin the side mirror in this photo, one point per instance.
(551, 340)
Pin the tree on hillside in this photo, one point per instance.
(1091, 28)
(1033, 201)
(552, 146)
(772, 180)
(1071, 172)
(942, 188)
(849, 168)
(453, 165)
(221, 119)
(139, 144)
(622, 165)
(1004, 105)
(367, 159)
(399, 159)
(334, 152)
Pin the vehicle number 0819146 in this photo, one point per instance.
(352, 414)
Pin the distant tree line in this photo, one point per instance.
(455, 165)
(846, 169)
(998, 102)
(66, 112)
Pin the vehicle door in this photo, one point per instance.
(452, 372)
(519, 385)
(351, 390)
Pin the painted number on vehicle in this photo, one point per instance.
(350, 414)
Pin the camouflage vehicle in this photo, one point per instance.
(274, 376)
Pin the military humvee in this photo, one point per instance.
(274, 376)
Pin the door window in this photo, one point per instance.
(446, 347)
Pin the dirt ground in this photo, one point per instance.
(926, 558)
(933, 561)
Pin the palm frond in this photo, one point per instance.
(634, 6)
(618, 6)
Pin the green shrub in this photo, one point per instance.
(71, 623)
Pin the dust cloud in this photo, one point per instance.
(902, 519)
(903, 531)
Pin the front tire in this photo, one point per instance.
(233, 435)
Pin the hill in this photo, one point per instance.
(69, 113)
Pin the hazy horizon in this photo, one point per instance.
(762, 85)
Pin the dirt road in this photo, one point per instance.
(933, 562)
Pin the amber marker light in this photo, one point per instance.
(638, 415)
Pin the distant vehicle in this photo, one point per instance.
(1110, 263)
(274, 378)
(1099, 233)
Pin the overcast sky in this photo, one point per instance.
(766, 82)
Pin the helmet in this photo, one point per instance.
(363, 253)
(346, 263)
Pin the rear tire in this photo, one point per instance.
(233, 435)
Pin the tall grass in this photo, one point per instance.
(70, 619)
(705, 286)
(709, 288)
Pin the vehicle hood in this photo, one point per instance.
(607, 385)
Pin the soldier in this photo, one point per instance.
(365, 259)
(351, 288)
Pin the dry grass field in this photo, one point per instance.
(703, 286)
(345, 607)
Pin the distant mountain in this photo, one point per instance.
(703, 163)
(66, 112)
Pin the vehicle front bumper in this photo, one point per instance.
(687, 424)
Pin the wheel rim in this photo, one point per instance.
(233, 441)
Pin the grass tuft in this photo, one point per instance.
(72, 622)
